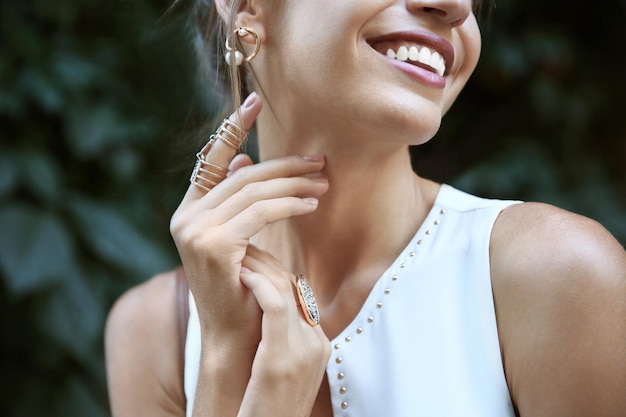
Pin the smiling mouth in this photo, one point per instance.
(420, 48)
(420, 55)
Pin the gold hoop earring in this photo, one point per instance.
(233, 56)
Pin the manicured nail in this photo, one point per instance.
(311, 201)
(250, 100)
(314, 158)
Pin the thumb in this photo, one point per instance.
(239, 161)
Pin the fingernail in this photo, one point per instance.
(314, 158)
(322, 180)
(245, 270)
(311, 201)
(250, 100)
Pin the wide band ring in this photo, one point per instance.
(307, 301)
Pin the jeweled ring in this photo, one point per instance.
(307, 301)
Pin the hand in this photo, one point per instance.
(291, 358)
(212, 232)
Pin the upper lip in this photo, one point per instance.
(425, 38)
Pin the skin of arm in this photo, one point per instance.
(559, 284)
(142, 351)
(143, 357)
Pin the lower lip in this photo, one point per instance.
(423, 75)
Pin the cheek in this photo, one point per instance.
(467, 55)
(472, 41)
(322, 34)
(314, 61)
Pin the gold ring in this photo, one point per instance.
(206, 175)
(226, 135)
(307, 301)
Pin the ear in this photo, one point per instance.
(250, 13)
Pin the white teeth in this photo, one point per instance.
(423, 55)
(438, 62)
(403, 54)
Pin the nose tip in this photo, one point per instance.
(452, 12)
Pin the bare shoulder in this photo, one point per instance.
(559, 284)
(142, 351)
(534, 239)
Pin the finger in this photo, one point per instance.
(220, 154)
(261, 213)
(287, 287)
(283, 281)
(239, 161)
(254, 252)
(275, 306)
(262, 266)
(262, 262)
(286, 167)
(268, 190)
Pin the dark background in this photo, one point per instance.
(99, 103)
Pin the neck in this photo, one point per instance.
(374, 205)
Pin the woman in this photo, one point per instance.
(431, 302)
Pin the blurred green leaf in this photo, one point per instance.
(41, 174)
(69, 311)
(64, 396)
(511, 58)
(35, 249)
(115, 240)
(42, 89)
(77, 400)
(75, 73)
(92, 131)
(9, 173)
(11, 104)
(125, 164)
(522, 167)
(33, 170)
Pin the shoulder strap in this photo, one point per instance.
(182, 312)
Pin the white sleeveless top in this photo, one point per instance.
(425, 342)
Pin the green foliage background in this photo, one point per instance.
(99, 101)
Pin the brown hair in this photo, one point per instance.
(209, 40)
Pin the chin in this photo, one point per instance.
(425, 134)
(415, 125)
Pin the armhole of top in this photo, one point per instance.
(182, 313)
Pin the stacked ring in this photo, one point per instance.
(230, 138)
(207, 175)
(307, 301)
